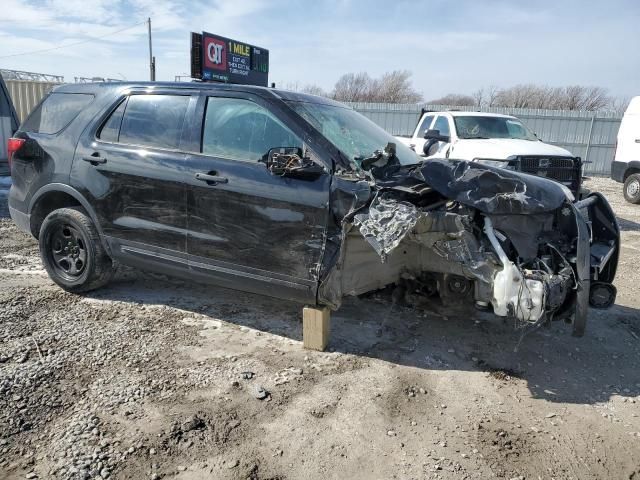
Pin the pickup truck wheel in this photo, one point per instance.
(72, 252)
(632, 188)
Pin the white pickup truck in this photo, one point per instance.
(493, 139)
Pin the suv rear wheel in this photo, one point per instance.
(632, 188)
(72, 252)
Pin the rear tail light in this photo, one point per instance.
(13, 145)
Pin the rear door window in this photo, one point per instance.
(243, 130)
(56, 112)
(154, 120)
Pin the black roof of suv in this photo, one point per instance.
(98, 88)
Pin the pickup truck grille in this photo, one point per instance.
(566, 170)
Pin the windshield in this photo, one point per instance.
(475, 126)
(353, 134)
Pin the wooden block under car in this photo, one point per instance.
(315, 327)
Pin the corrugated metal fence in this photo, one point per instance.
(26, 94)
(590, 135)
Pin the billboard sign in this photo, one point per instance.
(220, 59)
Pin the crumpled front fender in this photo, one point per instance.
(583, 277)
(598, 251)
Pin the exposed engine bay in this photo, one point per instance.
(515, 244)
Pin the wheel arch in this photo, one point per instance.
(633, 167)
(53, 196)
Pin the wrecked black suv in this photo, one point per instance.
(297, 197)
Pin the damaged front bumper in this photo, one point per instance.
(513, 243)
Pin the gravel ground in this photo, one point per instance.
(157, 378)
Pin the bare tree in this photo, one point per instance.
(353, 87)
(395, 87)
(392, 87)
(309, 88)
(573, 97)
(619, 105)
(478, 97)
(314, 90)
(519, 96)
(292, 86)
(454, 99)
(596, 98)
(492, 93)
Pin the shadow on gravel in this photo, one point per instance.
(555, 366)
(628, 225)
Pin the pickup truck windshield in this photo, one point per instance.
(475, 126)
(353, 134)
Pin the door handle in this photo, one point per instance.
(95, 159)
(211, 178)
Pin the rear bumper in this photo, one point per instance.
(21, 219)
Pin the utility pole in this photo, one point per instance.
(152, 59)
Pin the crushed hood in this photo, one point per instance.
(404, 195)
(492, 190)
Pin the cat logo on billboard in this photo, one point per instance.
(216, 53)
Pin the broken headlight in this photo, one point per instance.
(493, 162)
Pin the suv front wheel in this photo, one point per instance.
(632, 188)
(72, 252)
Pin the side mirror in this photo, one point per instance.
(291, 162)
(435, 135)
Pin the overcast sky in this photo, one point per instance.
(449, 46)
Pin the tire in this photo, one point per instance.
(72, 252)
(428, 149)
(631, 188)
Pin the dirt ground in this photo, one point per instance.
(157, 378)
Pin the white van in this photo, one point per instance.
(626, 163)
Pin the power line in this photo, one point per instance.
(72, 44)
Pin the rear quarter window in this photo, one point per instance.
(56, 112)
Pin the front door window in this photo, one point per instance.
(239, 129)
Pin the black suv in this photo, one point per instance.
(294, 196)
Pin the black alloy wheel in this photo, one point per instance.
(72, 251)
(67, 248)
